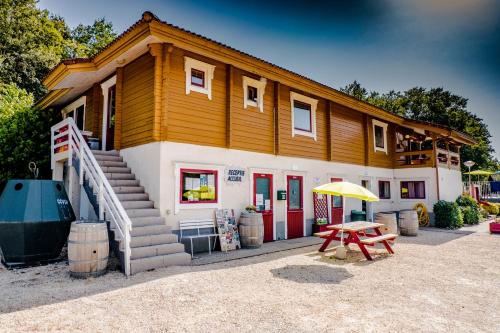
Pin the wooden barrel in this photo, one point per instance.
(388, 219)
(408, 222)
(251, 226)
(88, 249)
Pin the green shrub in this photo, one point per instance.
(484, 212)
(470, 215)
(466, 200)
(448, 215)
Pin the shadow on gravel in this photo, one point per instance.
(312, 274)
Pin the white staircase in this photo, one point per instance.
(152, 243)
(141, 239)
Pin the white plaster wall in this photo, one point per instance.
(414, 174)
(450, 184)
(144, 160)
(156, 164)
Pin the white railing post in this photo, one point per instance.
(101, 200)
(52, 157)
(81, 163)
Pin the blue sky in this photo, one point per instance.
(384, 44)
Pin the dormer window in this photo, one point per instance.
(199, 76)
(379, 136)
(303, 115)
(253, 91)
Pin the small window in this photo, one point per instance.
(252, 94)
(379, 137)
(198, 186)
(198, 78)
(76, 110)
(384, 189)
(413, 190)
(302, 116)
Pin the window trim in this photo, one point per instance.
(187, 170)
(390, 185)
(412, 181)
(207, 69)
(314, 104)
(75, 105)
(378, 123)
(260, 85)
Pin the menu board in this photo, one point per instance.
(229, 237)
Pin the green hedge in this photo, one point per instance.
(448, 215)
(471, 215)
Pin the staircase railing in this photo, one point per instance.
(67, 142)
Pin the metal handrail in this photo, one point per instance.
(109, 204)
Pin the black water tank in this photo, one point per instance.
(35, 219)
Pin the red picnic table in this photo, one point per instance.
(354, 232)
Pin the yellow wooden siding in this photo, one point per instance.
(251, 129)
(347, 132)
(194, 118)
(137, 102)
(301, 146)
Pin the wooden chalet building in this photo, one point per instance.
(181, 125)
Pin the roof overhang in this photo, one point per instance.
(71, 78)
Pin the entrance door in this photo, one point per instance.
(337, 205)
(295, 207)
(110, 130)
(263, 201)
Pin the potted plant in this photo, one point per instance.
(320, 224)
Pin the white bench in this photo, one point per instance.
(198, 225)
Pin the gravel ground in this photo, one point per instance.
(436, 282)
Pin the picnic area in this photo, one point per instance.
(439, 281)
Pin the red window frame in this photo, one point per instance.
(194, 70)
(413, 197)
(214, 172)
(310, 116)
(381, 186)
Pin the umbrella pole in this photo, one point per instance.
(340, 252)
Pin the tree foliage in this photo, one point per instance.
(438, 106)
(32, 41)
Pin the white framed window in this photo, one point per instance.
(379, 136)
(253, 92)
(199, 76)
(76, 110)
(303, 110)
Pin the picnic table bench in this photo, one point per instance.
(357, 233)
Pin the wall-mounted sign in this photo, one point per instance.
(235, 174)
(281, 194)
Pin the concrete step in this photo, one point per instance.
(112, 164)
(146, 212)
(106, 153)
(119, 175)
(108, 158)
(174, 259)
(111, 169)
(138, 222)
(148, 240)
(123, 182)
(137, 204)
(156, 250)
(128, 189)
(133, 196)
(157, 229)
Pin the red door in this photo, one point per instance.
(337, 205)
(263, 201)
(295, 207)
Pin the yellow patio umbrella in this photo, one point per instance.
(349, 190)
(479, 173)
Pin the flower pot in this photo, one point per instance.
(495, 227)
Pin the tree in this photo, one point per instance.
(24, 134)
(90, 39)
(437, 106)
